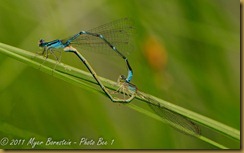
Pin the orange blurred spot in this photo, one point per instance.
(155, 54)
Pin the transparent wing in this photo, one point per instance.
(119, 33)
(174, 119)
(177, 121)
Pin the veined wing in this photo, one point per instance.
(118, 33)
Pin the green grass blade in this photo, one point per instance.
(86, 81)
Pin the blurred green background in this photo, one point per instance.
(187, 52)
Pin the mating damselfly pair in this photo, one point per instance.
(115, 36)
(105, 36)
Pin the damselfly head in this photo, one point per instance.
(126, 87)
(41, 43)
(121, 79)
